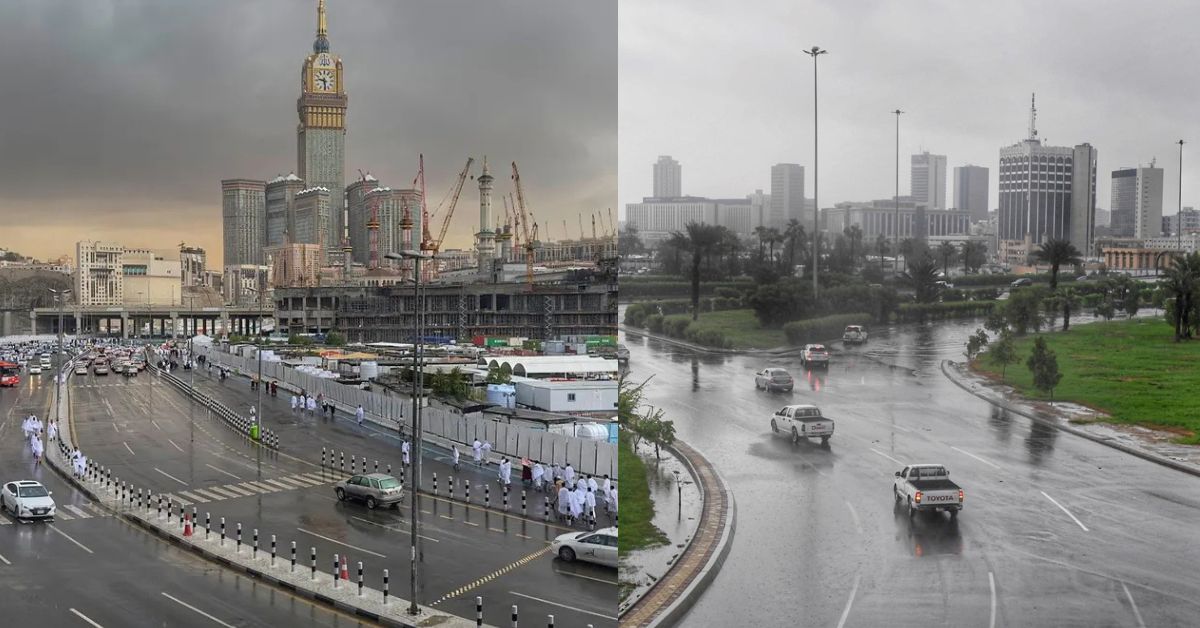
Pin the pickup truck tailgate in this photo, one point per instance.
(816, 428)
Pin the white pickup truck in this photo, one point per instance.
(854, 335)
(927, 487)
(802, 421)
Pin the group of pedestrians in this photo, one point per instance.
(32, 428)
(305, 403)
(78, 463)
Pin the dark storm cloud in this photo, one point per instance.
(133, 110)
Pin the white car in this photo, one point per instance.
(598, 547)
(802, 421)
(35, 369)
(27, 499)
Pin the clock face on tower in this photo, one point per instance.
(324, 80)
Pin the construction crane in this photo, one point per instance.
(593, 225)
(580, 227)
(434, 246)
(522, 214)
(612, 224)
(566, 236)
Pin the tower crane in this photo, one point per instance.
(593, 225)
(612, 224)
(566, 236)
(434, 246)
(580, 227)
(522, 214)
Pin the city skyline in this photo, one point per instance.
(965, 94)
(125, 133)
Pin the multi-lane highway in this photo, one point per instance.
(88, 568)
(1056, 530)
(147, 432)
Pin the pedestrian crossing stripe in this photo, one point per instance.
(246, 489)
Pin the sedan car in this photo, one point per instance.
(814, 356)
(1020, 283)
(27, 499)
(598, 547)
(374, 489)
(81, 369)
(35, 368)
(772, 379)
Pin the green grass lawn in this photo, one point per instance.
(637, 511)
(742, 328)
(1132, 370)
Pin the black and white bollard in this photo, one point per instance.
(505, 498)
(487, 495)
(376, 466)
(160, 506)
(195, 515)
(272, 550)
(254, 553)
(342, 456)
(336, 563)
(239, 538)
(389, 468)
(468, 482)
(478, 611)
(314, 563)
(322, 457)
(435, 485)
(352, 459)
(524, 510)
(546, 503)
(385, 587)
(207, 524)
(222, 531)
(360, 582)
(515, 623)
(293, 556)
(402, 474)
(451, 483)
(550, 623)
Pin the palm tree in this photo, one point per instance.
(702, 240)
(972, 254)
(1182, 279)
(923, 274)
(1068, 299)
(773, 238)
(946, 251)
(760, 232)
(908, 248)
(676, 244)
(882, 247)
(854, 237)
(1057, 252)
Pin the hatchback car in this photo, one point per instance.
(374, 489)
(27, 499)
(772, 379)
(814, 356)
(1022, 282)
(598, 547)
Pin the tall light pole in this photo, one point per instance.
(61, 296)
(418, 383)
(814, 53)
(896, 251)
(1179, 213)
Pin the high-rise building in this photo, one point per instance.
(655, 219)
(281, 194)
(321, 134)
(295, 265)
(1189, 218)
(929, 180)
(668, 178)
(1047, 191)
(310, 217)
(99, 280)
(394, 207)
(971, 191)
(787, 195)
(760, 205)
(243, 220)
(486, 238)
(358, 213)
(111, 274)
(1137, 198)
(193, 263)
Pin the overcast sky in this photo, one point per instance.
(121, 117)
(724, 87)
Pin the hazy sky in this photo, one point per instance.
(121, 117)
(724, 87)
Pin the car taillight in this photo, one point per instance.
(961, 495)
(917, 497)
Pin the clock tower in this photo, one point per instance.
(321, 134)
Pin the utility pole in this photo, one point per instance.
(1179, 213)
(896, 252)
(816, 50)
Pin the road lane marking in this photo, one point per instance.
(156, 424)
(276, 485)
(395, 529)
(170, 476)
(579, 575)
(127, 446)
(79, 512)
(174, 445)
(239, 492)
(967, 453)
(992, 586)
(320, 536)
(854, 515)
(222, 471)
(849, 602)
(886, 456)
(115, 427)
(5, 560)
(1061, 507)
(68, 537)
(185, 604)
(207, 495)
(459, 592)
(85, 618)
(574, 608)
(192, 496)
(1137, 614)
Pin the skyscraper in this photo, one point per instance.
(243, 220)
(321, 134)
(358, 212)
(310, 217)
(1047, 191)
(971, 191)
(1137, 198)
(668, 178)
(281, 194)
(929, 180)
(787, 195)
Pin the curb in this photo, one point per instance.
(1066, 427)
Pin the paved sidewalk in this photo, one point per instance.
(678, 590)
(1153, 445)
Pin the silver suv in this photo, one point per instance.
(375, 489)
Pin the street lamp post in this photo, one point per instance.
(418, 383)
(896, 252)
(61, 296)
(816, 50)
(1179, 212)
(679, 487)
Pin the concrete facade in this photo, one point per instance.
(971, 191)
(668, 178)
(787, 195)
(1137, 200)
(280, 209)
(928, 178)
(243, 218)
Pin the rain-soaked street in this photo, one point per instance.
(1056, 530)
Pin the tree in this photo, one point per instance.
(1004, 352)
(882, 248)
(974, 255)
(1181, 280)
(629, 243)
(1024, 310)
(1131, 302)
(760, 232)
(948, 253)
(976, 343)
(497, 375)
(657, 430)
(996, 321)
(777, 303)
(923, 274)
(1068, 300)
(1044, 366)
(335, 339)
(670, 253)
(854, 239)
(702, 239)
(794, 236)
(1057, 252)
(1106, 309)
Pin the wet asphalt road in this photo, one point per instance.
(88, 568)
(1056, 530)
(141, 428)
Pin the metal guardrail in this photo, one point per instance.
(231, 419)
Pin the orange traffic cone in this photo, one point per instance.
(345, 570)
(187, 524)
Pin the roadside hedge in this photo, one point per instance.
(630, 289)
(821, 329)
(915, 312)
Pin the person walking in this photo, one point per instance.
(539, 475)
(477, 451)
(506, 472)
(591, 484)
(52, 431)
(569, 474)
(404, 452)
(454, 454)
(564, 503)
(312, 406)
(487, 451)
(589, 505)
(294, 400)
(360, 414)
(38, 449)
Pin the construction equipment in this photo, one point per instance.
(566, 236)
(433, 246)
(593, 225)
(580, 227)
(523, 215)
(612, 224)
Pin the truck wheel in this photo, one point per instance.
(824, 441)
(795, 437)
(774, 428)
(911, 511)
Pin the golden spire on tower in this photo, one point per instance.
(321, 28)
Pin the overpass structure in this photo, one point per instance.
(153, 320)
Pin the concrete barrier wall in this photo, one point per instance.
(587, 456)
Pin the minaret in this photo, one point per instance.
(485, 248)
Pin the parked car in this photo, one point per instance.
(854, 335)
(944, 285)
(802, 421)
(927, 487)
(598, 547)
(374, 489)
(27, 499)
(814, 356)
(1022, 282)
(772, 379)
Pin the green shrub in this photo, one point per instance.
(913, 312)
(635, 315)
(821, 329)
(654, 322)
(728, 293)
(676, 326)
(677, 289)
